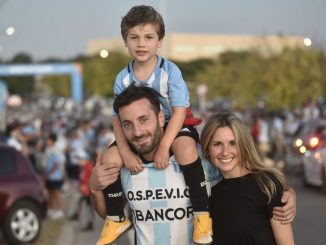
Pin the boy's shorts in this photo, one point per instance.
(188, 131)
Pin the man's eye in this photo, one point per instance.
(126, 125)
(143, 120)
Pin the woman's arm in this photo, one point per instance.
(282, 232)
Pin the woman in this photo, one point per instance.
(241, 204)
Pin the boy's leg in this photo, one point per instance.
(185, 150)
(116, 222)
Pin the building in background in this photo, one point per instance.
(190, 46)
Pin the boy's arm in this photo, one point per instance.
(130, 159)
(282, 232)
(171, 131)
(286, 213)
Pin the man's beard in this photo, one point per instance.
(144, 149)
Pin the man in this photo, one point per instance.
(159, 199)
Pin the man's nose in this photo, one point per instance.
(137, 130)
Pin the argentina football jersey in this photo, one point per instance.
(160, 204)
(165, 79)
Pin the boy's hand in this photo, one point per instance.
(132, 162)
(286, 213)
(161, 158)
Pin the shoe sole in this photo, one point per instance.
(204, 243)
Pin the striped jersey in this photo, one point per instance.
(165, 79)
(160, 204)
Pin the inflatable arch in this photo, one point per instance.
(49, 69)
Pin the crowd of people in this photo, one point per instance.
(62, 150)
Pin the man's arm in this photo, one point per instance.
(101, 177)
(286, 213)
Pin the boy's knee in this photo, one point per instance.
(185, 151)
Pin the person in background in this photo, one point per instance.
(15, 138)
(74, 144)
(241, 204)
(53, 174)
(86, 166)
(105, 137)
(143, 30)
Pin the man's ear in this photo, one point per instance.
(161, 118)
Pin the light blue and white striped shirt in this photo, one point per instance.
(165, 79)
(160, 204)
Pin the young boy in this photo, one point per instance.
(143, 31)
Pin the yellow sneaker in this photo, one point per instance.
(112, 230)
(202, 228)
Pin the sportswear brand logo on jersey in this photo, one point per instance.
(118, 194)
(185, 130)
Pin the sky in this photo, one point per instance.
(61, 28)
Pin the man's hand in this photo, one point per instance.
(103, 174)
(286, 213)
(132, 162)
(161, 158)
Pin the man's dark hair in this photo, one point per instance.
(134, 93)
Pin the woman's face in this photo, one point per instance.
(224, 154)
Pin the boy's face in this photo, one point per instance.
(143, 42)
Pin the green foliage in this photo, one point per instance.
(284, 80)
(99, 74)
